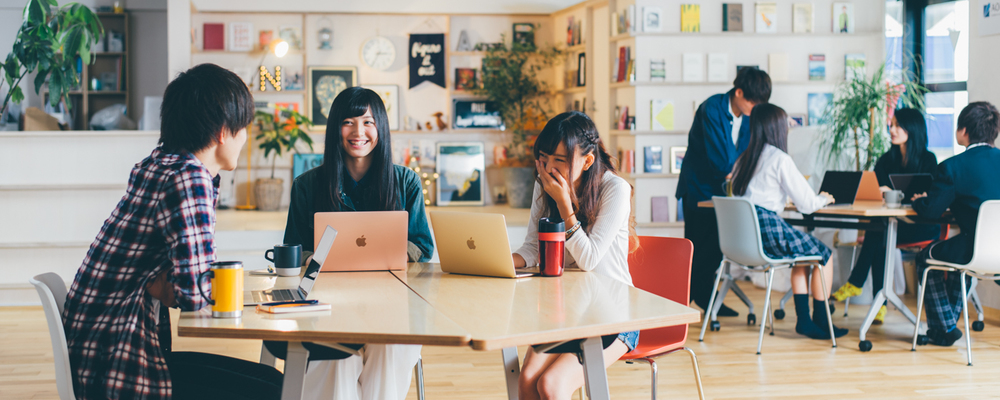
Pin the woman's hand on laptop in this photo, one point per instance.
(884, 189)
(829, 197)
(519, 261)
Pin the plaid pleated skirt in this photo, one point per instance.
(781, 240)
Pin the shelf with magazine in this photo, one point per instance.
(573, 31)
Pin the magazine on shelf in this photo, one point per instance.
(732, 17)
(766, 17)
(817, 67)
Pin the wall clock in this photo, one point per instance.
(378, 53)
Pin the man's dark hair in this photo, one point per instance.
(755, 84)
(200, 103)
(981, 122)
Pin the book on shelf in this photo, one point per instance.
(657, 70)
(718, 64)
(662, 115)
(569, 31)
(802, 17)
(465, 78)
(213, 36)
(652, 159)
(240, 36)
(854, 66)
(690, 18)
(777, 67)
(694, 67)
(817, 67)
(843, 17)
(633, 27)
(614, 70)
(624, 56)
(264, 38)
(629, 161)
(578, 30)
(652, 19)
(631, 70)
(766, 17)
(732, 17)
(623, 119)
(524, 34)
(660, 208)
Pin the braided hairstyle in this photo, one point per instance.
(577, 131)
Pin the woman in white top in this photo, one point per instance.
(766, 175)
(577, 183)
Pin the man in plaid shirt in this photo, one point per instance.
(150, 252)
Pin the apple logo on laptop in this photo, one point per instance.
(360, 241)
(471, 243)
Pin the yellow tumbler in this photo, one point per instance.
(227, 289)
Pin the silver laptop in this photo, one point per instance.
(254, 297)
(474, 244)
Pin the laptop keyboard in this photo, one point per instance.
(281, 295)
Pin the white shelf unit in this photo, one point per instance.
(742, 48)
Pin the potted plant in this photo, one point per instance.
(510, 79)
(50, 40)
(854, 131)
(277, 135)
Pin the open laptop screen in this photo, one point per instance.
(312, 270)
(842, 185)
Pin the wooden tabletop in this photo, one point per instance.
(858, 209)
(368, 307)
(501, 313)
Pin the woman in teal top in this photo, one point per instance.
(357, 174)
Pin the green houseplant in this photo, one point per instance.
(277, 135)
(510, 79)
(854, 131)
(50, 40)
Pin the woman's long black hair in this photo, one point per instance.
(577, 131)
(912, 121)
(768, 126)
(351, 103)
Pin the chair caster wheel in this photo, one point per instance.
(752, 319)
(978, 326)
(714, 326)
(779, 314)
(865, 345)
(923, 340)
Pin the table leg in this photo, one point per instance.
(296, 362)
(512, 370)
(593, 369)
(887, 292)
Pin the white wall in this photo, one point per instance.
(984, 85)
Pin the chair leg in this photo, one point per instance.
(920, 308)
(266, 357)
(974, 297)
(743, 297)
(767, 306)
(711, 302)
(847, 301)
(784, 300)
(652, 374)
(419, 369)
(965, 316)
(847, 304)
(697, 372)
(826, 307)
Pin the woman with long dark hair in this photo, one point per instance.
(908, 155)
(357, 174)
(578, 184)
(767, 176)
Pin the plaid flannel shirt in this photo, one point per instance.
(165, 222)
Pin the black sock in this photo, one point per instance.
(819, 318)
(804, 325)
(949, 338)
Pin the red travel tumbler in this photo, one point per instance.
(551, 242)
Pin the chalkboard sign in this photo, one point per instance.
(476, 114)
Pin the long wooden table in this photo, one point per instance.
(425, 306)
(870, 216)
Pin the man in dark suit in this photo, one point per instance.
(961, 183)
(719, 134)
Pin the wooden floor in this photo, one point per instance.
(791, 366)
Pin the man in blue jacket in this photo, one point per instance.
(961, 183)
(718, 136)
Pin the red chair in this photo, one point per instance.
(662, 266)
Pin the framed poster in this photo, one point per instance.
(461, 168)
(677, 159)
(390, 97)
(476, 114)
(304, 162)
(323, 85)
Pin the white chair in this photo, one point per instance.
(741, 244)
(985, 264)
(52, 291)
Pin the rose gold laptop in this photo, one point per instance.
(366, 240)
(474, 244)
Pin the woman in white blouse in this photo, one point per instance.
(577, 183)
(766, 175)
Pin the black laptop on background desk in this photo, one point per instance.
(911, 184)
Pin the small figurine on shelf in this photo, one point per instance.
(440, 121)
(429, 127)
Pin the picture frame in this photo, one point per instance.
(390, 97)
(461, 169)
(677, 159)
(323, 84)
(475, 114)
(798, 120)
(302, 162)
(581, 70)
